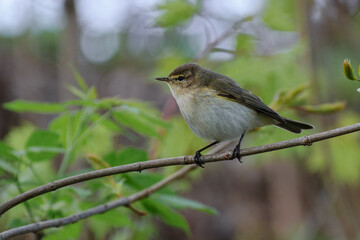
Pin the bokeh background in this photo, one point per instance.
(268, 46)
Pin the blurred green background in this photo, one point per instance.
(84, 71)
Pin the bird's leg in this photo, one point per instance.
(236, 152)
(198, 155)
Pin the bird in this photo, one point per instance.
(216, 108)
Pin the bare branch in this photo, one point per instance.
(125, 201)
(184, 160)
(305, 140)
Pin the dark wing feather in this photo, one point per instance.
(234, 92)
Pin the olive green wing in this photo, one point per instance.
(236, 93)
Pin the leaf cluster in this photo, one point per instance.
(84, 133)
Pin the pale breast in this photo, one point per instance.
(215, 118)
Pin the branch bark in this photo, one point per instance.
(184, 160)
(306, 140)
(125, 201)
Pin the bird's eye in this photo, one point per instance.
(180, 78)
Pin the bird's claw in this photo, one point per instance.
(236, 153)
(198, 160)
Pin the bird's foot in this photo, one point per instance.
(236, 153)
(198, 160)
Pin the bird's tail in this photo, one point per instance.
(294, 126)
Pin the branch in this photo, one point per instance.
(126, 201)
(306, 140)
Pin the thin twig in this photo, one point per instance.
(35, 227)
(306, 140)
(222, 37)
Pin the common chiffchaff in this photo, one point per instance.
(216, 108)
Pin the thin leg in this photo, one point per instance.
(236, 152)
(198, 155)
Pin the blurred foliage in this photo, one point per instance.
(280, 15)
(84, 133)
(176, 12)
(88, 125)
(189, 142)
(244, 44)
(339, 156)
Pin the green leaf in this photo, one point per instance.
(109, 103)
(92, 93)
(66, 126)
(175, 12)
(145, 111)
(76, 91)
(139, 120)
(82, 102)
(154, 119)
(169, 216)
(106, 123)
(80, 80)
(42, 145)
(280, 15)
(182, 203)
(7, 159)
(36, 107)
(126, 156)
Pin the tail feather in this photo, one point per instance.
(294, 126)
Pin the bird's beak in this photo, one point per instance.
(164, 79)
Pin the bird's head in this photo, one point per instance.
(184, 76)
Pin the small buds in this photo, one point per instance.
(348, 70)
